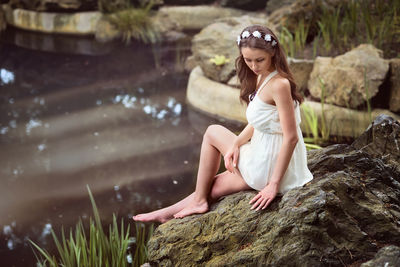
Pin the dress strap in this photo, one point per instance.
(269, 77)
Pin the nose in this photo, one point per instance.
(253, 66)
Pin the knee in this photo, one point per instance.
(211, 131)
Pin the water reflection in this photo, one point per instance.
(67, 122)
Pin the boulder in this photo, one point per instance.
(250, 5)
(343, 216)
(347, 79)
(214, 98)
(219, 38)
(182, 16)
(309, 10)
(80, 23)
(394, 101)
(388, 256)
(301, 69)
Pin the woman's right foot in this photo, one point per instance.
(155, 216)
(193, 208)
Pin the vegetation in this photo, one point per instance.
(96, 249)
(135, 23)
(219, 60)
(337, 31)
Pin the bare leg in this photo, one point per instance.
(217, 140)
(165, 214)
(224, 184)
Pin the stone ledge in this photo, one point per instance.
(81, 23)
(215, 98)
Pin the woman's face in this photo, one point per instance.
(258, 60)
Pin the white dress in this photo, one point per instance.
(257, 158)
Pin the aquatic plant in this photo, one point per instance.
(96, 248)
(135, 23)
(219, 60)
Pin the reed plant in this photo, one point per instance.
(135, 23)
(95, 248)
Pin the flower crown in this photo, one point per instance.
(246, 34)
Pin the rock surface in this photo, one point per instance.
(219, 38)
(301, 69)
(348, 77)
(183, 16)
(394, 101)
(347, 213)
(386, 257)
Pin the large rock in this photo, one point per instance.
(343, 216)
(80, 23)
(219, 38)
(388, 256)
(301, 69)
(394, 101)
(183, 16)
(215, 98)
(350, 77)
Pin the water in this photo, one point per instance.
(112, 117)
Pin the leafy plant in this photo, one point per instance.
(219, 60)
(96, 248)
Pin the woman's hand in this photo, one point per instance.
(265, 196)
(231, 158)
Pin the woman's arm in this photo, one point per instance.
(284, 103)
(244, 136)
(232, 155)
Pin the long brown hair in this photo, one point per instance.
(247, 78)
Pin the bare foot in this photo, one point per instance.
(155, 216)
(193, 208)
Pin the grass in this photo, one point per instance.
(95, 248)
(135, 23)
(338, 30)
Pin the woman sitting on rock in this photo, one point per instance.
(269, 155)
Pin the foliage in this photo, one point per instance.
(95, 249)
(338, 30)
(135, 23)
(219, 60)
(317, 128)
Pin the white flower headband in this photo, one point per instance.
(257, 34)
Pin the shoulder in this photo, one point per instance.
(280, 86)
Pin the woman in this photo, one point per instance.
(274, 161)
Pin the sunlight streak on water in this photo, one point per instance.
(6, 77)
(33, 123)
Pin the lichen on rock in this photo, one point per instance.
(347, 213)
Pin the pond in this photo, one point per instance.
(74, 113)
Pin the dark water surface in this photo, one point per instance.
(112, 117)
